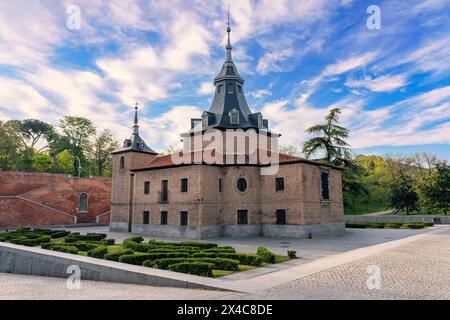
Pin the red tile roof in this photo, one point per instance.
(166, 161)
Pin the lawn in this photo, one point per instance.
(199, 258)
(366, 208)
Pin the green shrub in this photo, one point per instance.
(59, 234)
(413, 226)
(292, 254)
(103, 235)
(136, 239)
(353, 224)
(116, 255)
(220, 250)
(88, 237)
(196, 268)
(243, 258)
(64, 248)
(135, 246)
(392, 226)
(222, 264)
(167, 255)
(204, 245)
(84, 246)
(98, 252)
(266, 255)
(136, 259)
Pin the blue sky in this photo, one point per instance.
(299, 58)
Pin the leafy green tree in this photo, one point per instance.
(10, 145)
(64, 162)
(100, 152)
(78, 130)
(434, 189)
(42, 162)
(403, 194)
(330, 138)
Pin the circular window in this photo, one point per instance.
(241, 184)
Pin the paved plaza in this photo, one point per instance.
(413, 264)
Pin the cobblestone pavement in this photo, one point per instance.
(415, 270)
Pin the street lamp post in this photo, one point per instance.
(79, 166)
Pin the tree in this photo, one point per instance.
(64, 162)
(42, 162)
(100, 153)
(10, 145)
(34, 131)
(434, 189)
(330, 138)
(403, 194)
(78, 130)
(77, 136)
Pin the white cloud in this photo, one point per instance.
(259, 94)
(378, 84)
(206, 88)
(23, 100)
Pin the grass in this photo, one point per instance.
(366, 208)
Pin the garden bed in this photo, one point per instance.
(199, 258)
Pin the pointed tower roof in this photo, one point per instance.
(135, 143)
(229, 109)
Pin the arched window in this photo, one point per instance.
(122, 162)
(83, 203)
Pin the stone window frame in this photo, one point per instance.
(166, 220)
(276, 184)
(181, 218)
(79, 202)
(147, 189)
(187, 185)
(277, 211)
(230, 89)
(322, 199)
(246, 185)
(219, 88)
(122, 162)
(246, 217)
(146, 218)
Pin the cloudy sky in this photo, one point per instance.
(299, 58)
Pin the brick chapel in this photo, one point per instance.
(214, 189)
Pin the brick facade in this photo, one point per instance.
(41, 199)
(213, 213)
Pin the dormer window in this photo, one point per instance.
(219, 89)
(234, 116)
(205, 120)
(240, 89)
(230, 88)
(260, 121)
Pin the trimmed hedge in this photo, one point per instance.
(167, 255)
(60, 248)
(388, 225)
(136, 239)
(116, 255)
(98, 252)
(88, 237)
(59, 234)
(243, 258)
(84, 246)
(136, 259)
(266, 255)
(195, 268)
(219, 263)
(204, 245)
